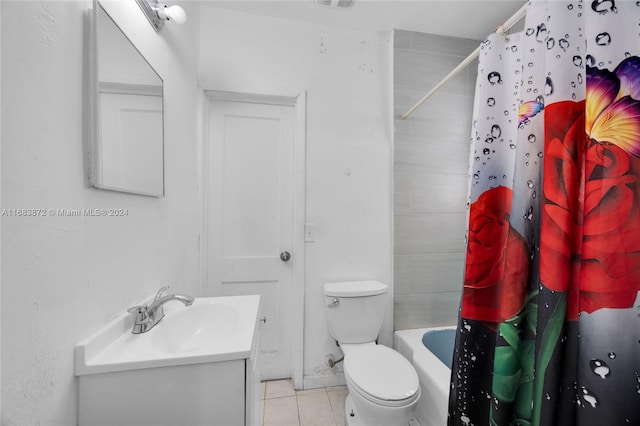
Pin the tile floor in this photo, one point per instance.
(282, 405)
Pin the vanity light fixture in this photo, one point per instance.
(157, 13)
(335, 3)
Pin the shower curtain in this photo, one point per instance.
(549, 328)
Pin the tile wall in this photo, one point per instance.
(431, 158)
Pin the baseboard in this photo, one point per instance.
(323, 381)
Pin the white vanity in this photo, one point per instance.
(197, 366)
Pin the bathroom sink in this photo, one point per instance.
(212, 329)
(202, 358)
(195, 327)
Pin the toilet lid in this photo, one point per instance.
(382, 373)
(355, 289)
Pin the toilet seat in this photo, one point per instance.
(382, 375)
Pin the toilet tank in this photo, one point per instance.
(355, 310)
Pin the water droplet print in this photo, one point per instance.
(591, 61)
(611, 355)
(541, 33)
(529, 215)
(577, 60)
(530, 31)
(600, 368)
(531, 138)
(551, 43)
(589, 397)
(486, 151)
(603, 39)
(604, 6)
(548, 87)
(530, 183)
(494, 77)
(488, 140)
(491, 102)
(496, 132)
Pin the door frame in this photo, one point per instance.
(299, 103)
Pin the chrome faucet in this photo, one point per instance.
(149, 316)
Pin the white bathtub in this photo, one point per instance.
(434, 375)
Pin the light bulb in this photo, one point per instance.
(174, 13)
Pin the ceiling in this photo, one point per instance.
(473, 19)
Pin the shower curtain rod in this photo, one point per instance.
(502, 29)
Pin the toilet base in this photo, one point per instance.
(352, 418)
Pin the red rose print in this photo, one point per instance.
(497, 263)
(590, 235)
(561, 223)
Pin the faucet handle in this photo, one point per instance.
(142, 314)
(140, 309)
(159, 293)
(142, 320)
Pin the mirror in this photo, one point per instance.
(127, 153)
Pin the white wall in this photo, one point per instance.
(62, 277)
(348, 79)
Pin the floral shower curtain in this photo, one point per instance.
(549, 330)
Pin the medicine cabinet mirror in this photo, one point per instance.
(127, 148)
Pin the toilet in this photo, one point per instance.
(383, 386)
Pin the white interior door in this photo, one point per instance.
(251, 217)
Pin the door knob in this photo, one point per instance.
(285, 256)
